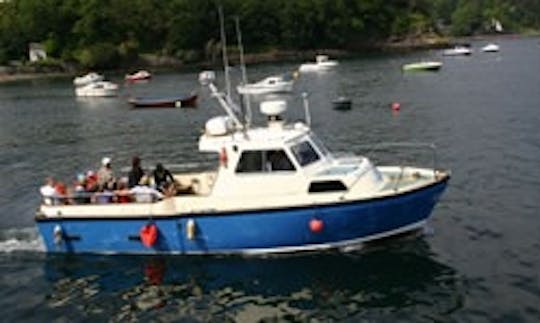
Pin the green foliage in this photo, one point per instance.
(99, 55)
(110, 33)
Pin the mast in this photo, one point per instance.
(241, 50)
(244, 99)
(224, 53)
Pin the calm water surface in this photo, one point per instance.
(479, 260)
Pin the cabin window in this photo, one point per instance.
(253, 161)
(305, 153)
(326, 186)
(319, 145)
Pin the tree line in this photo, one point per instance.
(112, 33)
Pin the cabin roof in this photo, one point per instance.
(275, 135)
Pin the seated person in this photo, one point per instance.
(105, 175)
(61, 193)
(48, 192)
(162, 178)
(145, 194)
(122, 193)
(136, 172)
(103, 196)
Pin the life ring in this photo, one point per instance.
(149, 235)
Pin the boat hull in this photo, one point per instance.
(248, 232)
(285, 87)
(424, 66)
(178, 102)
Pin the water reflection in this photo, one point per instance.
(390, 280)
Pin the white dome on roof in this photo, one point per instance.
(273, 108)
(219, 126)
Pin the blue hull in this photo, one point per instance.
(260, 231)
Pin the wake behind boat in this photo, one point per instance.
(188, 101)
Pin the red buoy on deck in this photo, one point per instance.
(316, 225)
(149, 235)
(223, 159)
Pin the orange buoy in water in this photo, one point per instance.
(396, 106)
(149, 235)
(316, 225)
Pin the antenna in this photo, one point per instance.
(224, 52)
(240, 49)
(306, 108)
(244, 98)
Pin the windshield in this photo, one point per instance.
(319, 145)
(304, 153)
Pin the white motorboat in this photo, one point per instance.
(87, 79)
(141, 75)
(457, 51)
(271, 84)
(100, 88)
(322, 63)
(490, 48)
(422, 66)
(277, 189)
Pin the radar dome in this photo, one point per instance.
(219, 126)
(273, 108)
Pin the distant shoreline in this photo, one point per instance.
(14, 74)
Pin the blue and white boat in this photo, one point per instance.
(277, 189)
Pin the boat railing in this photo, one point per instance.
(88, 198)
(180, 167)
(403, 152)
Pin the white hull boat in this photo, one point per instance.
(312, 199)
(422, 66)
(271, 84)
(490, 48)
(457, 51)
(322, 63)
(87, 79)
(97, 89)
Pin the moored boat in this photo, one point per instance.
(97, 89)
(277, 189)
(271, 84)
(457, 51)
(188, 101)
(322, 63)
(141, 75)
(422, 66)
(342, 103)
(91, 77)
(490, 48)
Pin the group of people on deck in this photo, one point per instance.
(104, 187)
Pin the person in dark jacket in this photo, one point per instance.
(135, 173)
(163, 179)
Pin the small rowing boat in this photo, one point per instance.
(189, 101)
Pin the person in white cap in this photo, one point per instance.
(105, 174)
